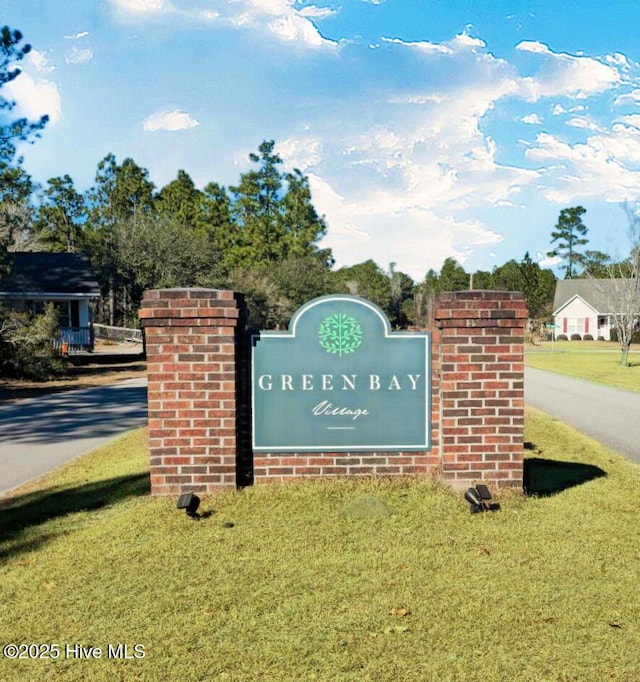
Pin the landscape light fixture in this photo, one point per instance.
(473, 498)
(190, 503)
(477, 498)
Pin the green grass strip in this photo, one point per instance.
(583, 360)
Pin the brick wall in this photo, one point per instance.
(199, 414)
(482, 386)
(192, 349)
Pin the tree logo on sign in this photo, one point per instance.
(340, 334)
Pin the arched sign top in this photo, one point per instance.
(341, 380)
(335, 300)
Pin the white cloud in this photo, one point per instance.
(416, 99)
(296, 29)
(34, 94)
(532, 119)
(78, 55)
(459, 43)
(317, 12)
(533, 46)
(632, 97)
(77, 36)
(141, 7)
(565, 74)
(632, 120)
(417, 174)
(465, 40)
(605, 166)
(39, 62)
(422, 46)
(304, 151)
(278, 18)
(584, 123)
(169, 120)
(558, 109)
(618, 59)
(344, 232)
(141, 10)
(545, 261)
(207, 15)
(360, 228)
(35, 97)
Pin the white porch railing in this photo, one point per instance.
(104, 331)
(76, 338)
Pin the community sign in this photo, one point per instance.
(341, 380)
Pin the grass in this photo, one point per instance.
(345, 580)
(592, 360)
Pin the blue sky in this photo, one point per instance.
(428, 129)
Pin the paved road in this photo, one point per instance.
(610, 415)
(38, 434)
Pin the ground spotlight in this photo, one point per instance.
(474, 499)
(477, 498)
(190, 503)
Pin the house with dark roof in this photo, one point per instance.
(582, 306)
(65, 279)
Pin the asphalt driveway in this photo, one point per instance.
(39, 434)
(610, 415)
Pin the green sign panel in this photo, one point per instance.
(341, 380)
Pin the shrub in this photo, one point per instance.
(26, 349)
(561, 337)
(587, 337)
(576, 337)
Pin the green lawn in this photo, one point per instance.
(593, 360)
(369, 580)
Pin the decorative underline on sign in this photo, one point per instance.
(341, 428)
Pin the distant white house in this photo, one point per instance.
(65, 279)
(580, 307)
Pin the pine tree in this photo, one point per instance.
(61, 215)
(258, 231)
(570, 234)
(15, 184)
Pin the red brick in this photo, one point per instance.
(307, 471)
(334, 471)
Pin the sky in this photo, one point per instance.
(427, 128)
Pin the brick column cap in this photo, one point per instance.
(481, 305)
(160, 305)
(192, 292)
(481, 294)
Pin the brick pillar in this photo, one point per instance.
(481, 386)
(192, 344)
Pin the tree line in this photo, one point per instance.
(260, 237)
